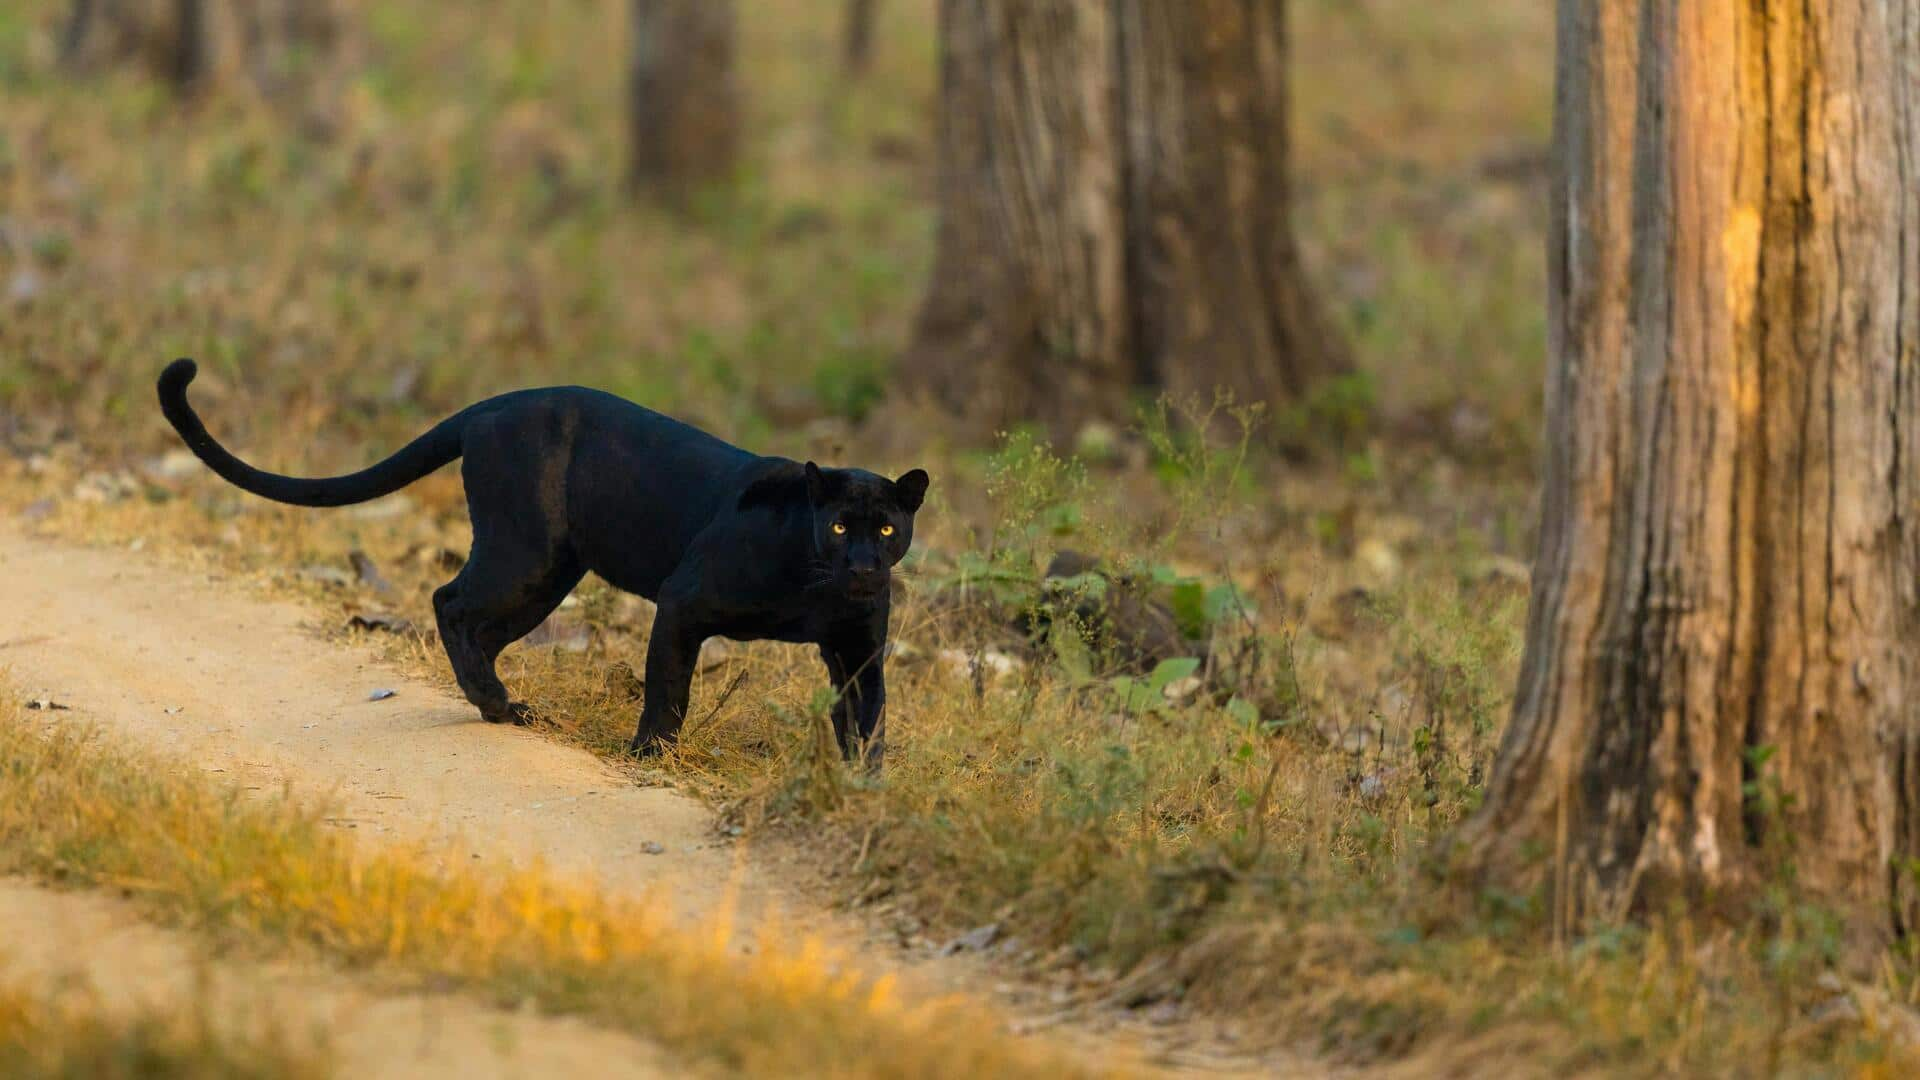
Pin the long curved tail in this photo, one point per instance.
(413, 461)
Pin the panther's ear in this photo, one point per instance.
(911, 489)
(816, 485)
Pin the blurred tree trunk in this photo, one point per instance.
(684, 113)
(287, 50)
(1722, 672)
(1114, 201)
(856, 37)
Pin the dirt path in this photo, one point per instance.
(196, 667)
(188, 664)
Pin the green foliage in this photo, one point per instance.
(850, 384)
(1336, 415)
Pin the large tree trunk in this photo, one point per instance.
(1722, 676)
(1113, 211)
(684, 112)
(289, 51)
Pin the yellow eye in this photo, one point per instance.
(839, 529)
(886, 530)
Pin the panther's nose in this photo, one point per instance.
(865, 577)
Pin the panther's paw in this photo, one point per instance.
(518, 713)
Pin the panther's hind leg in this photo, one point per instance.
(498, 598)
(522, 565)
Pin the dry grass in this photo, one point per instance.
(271, 876)
(460, 235)
(64, 1033)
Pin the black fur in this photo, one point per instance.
(565, 480)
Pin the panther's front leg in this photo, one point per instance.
(671, 654)
(856, 663)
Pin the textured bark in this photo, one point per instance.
(1729, 552)
(856, 36)
(289, 51)
(683, 112)
(1113, 211)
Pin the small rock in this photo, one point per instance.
(326, 575)
(1469, 424)
(715, 652)
(46, 705)
(367, 572)
(991, 661)
(976, 939)
(105, 487)
(653, 847)
(403, 383)
(391, 506)
(437, 557)
(1376, 558)
(1505, 568)
(1839, 1008)
(24, 287)
(382, 695)
(1181, 691)
(175, 464)
(381, 621)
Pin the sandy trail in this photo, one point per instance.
(179, 662)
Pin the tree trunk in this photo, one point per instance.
(1722, 675)
(1114, 203)
(856, 36)
(289, 51)
(684, 107)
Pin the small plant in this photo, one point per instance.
(1140, 696)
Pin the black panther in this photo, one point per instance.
(727, 543)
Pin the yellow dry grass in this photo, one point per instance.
(64, 1033)
(268, 874)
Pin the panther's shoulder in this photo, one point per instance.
(775, 483)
